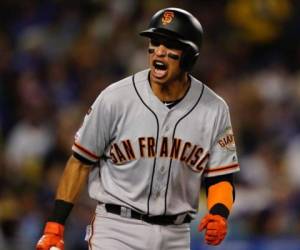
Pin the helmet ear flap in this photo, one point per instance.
(188, 58)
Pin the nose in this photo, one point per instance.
(161, 50)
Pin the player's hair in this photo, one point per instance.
(181, 26)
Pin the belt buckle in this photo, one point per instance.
(180, 219)
(125, 212)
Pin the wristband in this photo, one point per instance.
(220, 209)
(61, 211)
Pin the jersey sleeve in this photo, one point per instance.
(93, 135)
(222, 156)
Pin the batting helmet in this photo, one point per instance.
(180, 26)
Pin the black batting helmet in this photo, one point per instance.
(180, 26)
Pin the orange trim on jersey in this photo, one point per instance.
(222, 168)
(92, 233)
(89, 153)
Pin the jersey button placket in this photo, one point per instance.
(157, 194)
(160, 177)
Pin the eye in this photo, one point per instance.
(168, 43)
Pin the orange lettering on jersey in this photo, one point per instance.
(164, 147)
(201, 164)
(185, 147)
(191, 154)
(196, 156)
(175, 148)
(128, 149)
(226, 141)
(121, 156)
(112, 155)
(151, 146)
(142, 145)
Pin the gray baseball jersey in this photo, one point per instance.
(153, 158)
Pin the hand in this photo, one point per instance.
(53, 237)
(216, 228)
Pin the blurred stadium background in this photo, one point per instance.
(55, 58)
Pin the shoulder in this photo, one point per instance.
(120, 90)
(214, 98)
(209, 97)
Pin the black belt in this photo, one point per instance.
(157, 219)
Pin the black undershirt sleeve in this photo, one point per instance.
(82, 159)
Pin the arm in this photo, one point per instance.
(70, 186)
(220, 197)
(73, 180)
(220, 194)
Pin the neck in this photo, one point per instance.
(173, 90)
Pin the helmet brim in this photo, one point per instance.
(165, 34)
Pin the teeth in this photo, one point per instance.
(159, 65)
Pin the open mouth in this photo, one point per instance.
(159, 65)
(160, 69)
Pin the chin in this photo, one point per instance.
(159, 81)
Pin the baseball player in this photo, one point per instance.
(145, 146)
